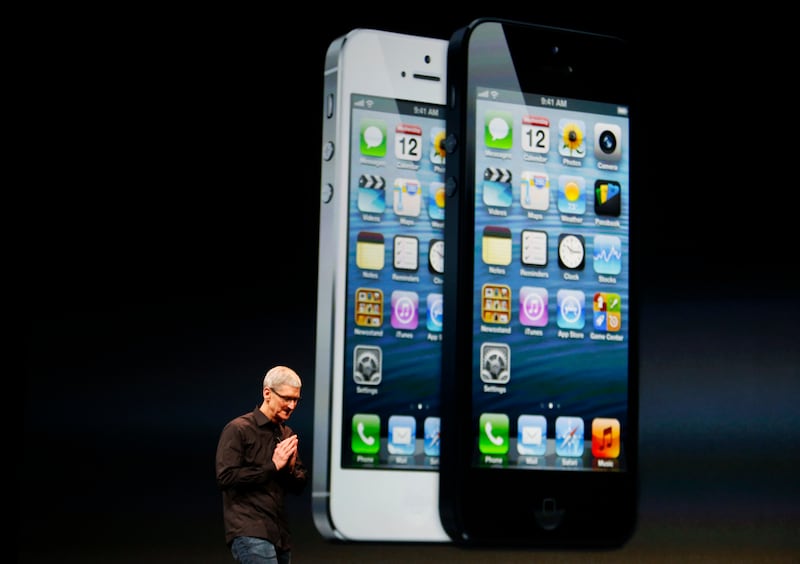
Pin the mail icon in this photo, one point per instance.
(496, 248)
(532, 435)
(402, 431)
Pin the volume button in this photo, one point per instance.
(327, 192)
(329, 106)
(328, 150)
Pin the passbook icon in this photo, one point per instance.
(369, 250)
(496, 245)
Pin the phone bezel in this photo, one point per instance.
(601, 507)
(358, 504)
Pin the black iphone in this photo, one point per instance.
(540, 369)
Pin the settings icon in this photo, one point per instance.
(495, 363)
(367, 365)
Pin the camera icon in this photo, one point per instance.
(607, 142)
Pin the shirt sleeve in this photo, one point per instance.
(298, 477)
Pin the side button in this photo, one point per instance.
(327, 192)
(550, 516)
(450, 186)
(327, 151)
(451, 144)
(329, 106)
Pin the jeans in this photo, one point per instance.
(252, 550)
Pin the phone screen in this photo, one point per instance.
(551, 282)
(393, 285)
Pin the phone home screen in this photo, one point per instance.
(551, 291)
(394, 285)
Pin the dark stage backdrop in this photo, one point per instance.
(166, 257)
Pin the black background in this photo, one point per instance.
(163, 257)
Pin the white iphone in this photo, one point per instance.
(379, 302)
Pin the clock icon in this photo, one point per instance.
(436, 256)
(571, 251)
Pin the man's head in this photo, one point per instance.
(281, 393)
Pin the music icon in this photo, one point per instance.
(605, 437)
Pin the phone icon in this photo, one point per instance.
(493, 433)
(366, 433)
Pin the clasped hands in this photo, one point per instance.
(285, 453)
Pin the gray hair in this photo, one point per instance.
(281, 376)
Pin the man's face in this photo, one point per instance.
(281, 402)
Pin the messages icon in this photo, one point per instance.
(373, 137)
(498, 129)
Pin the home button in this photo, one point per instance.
(550, 515)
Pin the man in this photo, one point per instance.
(256, 464)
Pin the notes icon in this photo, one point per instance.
(496, 247)
(605, 437)
(369, 250)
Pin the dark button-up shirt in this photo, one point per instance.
(252, 488)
